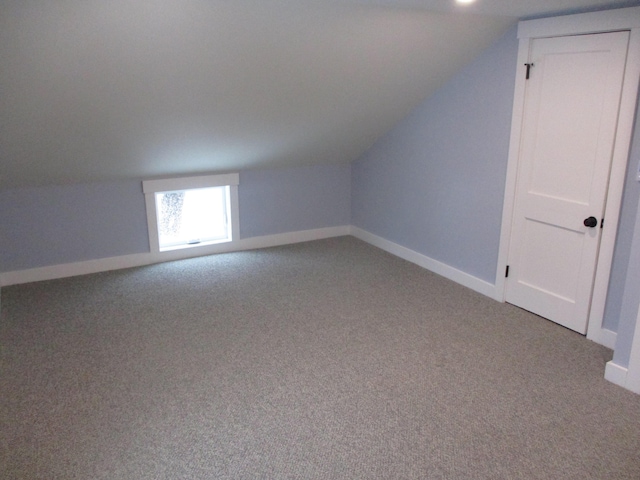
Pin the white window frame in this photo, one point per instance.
(151, 187)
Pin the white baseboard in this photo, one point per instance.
(623, 377)
(430, 264)
(616, 374)
(603, 336)
(126, 261)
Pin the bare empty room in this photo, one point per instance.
(319, 239)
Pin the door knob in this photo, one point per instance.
(590, 222)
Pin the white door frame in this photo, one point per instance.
(585, 23)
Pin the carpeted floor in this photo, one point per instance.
(321, 360)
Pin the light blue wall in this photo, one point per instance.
(624, 239)
(435, 184)
(625, 294)
(63, 224)
(292, 199)
(630, 302)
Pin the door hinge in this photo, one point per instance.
(602, 223)
(528, 65)
(506, 273)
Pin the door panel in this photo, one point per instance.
(570, 117)
(540, 260)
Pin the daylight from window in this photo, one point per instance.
(192, 217)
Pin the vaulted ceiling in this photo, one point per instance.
(93, 90)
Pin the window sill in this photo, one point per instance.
(194, 245)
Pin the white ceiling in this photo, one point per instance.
(93, 90)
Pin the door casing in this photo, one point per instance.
(597, 22)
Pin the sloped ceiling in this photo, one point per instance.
(93, 90)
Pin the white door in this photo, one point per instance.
(570, 117)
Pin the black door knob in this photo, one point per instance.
(590, 222)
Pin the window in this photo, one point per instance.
(191, 211)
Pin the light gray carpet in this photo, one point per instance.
(322, 360)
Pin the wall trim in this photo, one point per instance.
(620, 161)
(600, 336)
(435, 266)
(603, 337)
(581, 23)
(632, 380)
(136, 260)
(615, 374)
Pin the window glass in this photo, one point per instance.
(191, 217)
(188, 212)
